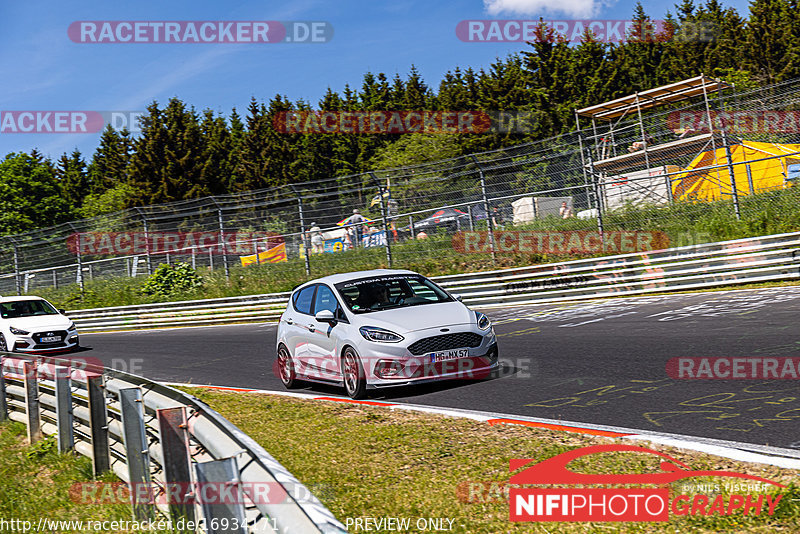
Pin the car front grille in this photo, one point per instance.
(445, 342)
(37, 337)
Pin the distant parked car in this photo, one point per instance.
(793, 173)
(31, 324)
(380, 328)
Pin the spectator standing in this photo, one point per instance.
(317, 241)
(355, 223)
(565, 211)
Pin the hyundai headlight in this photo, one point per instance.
(72, 327)
(381, 335)
(18, 332)
(483, 321)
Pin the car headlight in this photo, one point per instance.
(18, 332)
(381, 335)
(71, 326)
(483, 321)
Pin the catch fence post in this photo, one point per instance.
(146, 240)
(597, 192)
(303, 237)
(222, 246)
(16, 266)
(381, 191)
(734, 192)
(489, 227)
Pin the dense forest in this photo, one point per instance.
(184, 154)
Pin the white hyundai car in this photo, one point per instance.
(380, 328)
(31, 324)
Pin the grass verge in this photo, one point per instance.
(364, 461)
(35, 484)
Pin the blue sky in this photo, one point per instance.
(43, 70)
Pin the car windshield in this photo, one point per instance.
(395, 291)
(26, 308)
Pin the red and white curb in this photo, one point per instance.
(743, 452)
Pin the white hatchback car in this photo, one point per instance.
(31, 324)
(380, 328)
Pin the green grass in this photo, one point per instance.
(685, 223)
(35, 482)
(367, 461)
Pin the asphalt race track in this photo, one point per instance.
(601, 362)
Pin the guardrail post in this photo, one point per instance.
(173, 428)
(137, 452)
(489, 228)
(231, 514)
(29, 372)
(98, 423)
(3, 402)
(381, 191)
(66, 439)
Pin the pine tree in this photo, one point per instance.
(109, 165)
(72, 178)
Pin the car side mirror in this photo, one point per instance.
(62, 312)
(325, 316)
(459, 298)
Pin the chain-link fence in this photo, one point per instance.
(588, 192)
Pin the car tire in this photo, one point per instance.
(286, 368)
(3, 344)
(355, 381)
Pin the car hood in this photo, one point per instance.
(37, 323)
(420, 317)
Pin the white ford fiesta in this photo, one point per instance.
(31, 324)
(380, 328)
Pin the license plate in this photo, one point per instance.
(50, 339)
(453, 354)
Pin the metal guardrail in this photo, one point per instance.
(760, 259)
(253, 308)
(154, 436)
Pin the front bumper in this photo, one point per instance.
(33, 344)
(414, 369)
(471, 368)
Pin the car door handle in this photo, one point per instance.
(311, 328)
(289, 321)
